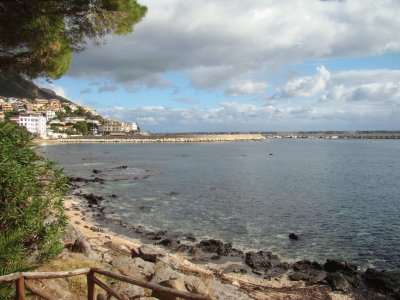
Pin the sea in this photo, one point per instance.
(342, 197)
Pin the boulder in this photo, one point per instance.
(338, 282)
(383, 281)
(136, 267)
(293, 236)
(334, 265)
(259, 260)
(303, 265)
(176, 284)
(164, 274)
(81, 245)
(148, 253)
(215, 246)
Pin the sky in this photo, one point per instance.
(260, 65)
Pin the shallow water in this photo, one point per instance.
(341, 196)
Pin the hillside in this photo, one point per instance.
(19, 87)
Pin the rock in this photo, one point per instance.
(106, 258)
(235, 268)
(93, 199)
(176, 284)
(136, 267)
(334, 265)
(96, 229)
(227, 291)
(338, 282)
(173, 193)
(383, 281)
(164, 274)
(81, 245)
(157, 235)
(303, 265)
(101, 296)
(148, 253)
(259, 260)
(95, 171)
(169, 243)
(215, 246)
(122, 167)
(293, 237)
(130, 291)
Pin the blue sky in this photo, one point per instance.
(243, 66)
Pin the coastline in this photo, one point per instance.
(212, 138)
(108, 245)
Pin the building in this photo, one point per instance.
(6, 107)
(129, 126)
(18, 107)
(40, 101)
(29, 106)
(110, 126)
(34, 123)
(1, 116)
(91, 111)
(54, 104)
(50, 114)
(74, 119)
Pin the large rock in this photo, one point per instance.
(136, 267)
(148, 253)
(215, 246)
(259, 260)
(335, 265)
(383, 281)
(222, 291)
(81, 245)
(338, 282)
(176, 284)
(164, 273)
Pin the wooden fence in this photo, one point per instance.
(22, 284)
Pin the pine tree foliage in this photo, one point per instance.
(37, 37)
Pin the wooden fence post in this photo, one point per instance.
(90, 285)
(20, 285)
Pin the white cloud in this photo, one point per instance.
(218, 43)
(246, 87)
(307, 86)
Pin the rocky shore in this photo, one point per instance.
(212, 267)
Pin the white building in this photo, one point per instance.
(34, 123)
(129, 126)
(50, 114)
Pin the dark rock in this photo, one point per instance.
(173, 193)
(293, 237)
(334, 265)
(95, 171)
(215, 246)
(96, 229)
(338, 282)
(259, 260)
(383, 281)
(122, 167)
(303, 265)
(157, 235)
(113, 196)
(93, 199)
(169, 243)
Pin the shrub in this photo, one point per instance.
(32, 215)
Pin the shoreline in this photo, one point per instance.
(260, 272)
(108, 245)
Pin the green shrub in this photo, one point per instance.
(32, 215)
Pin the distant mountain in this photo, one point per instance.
(16, 86)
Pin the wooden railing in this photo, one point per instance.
(22, 284)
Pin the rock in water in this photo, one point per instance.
(293, 236)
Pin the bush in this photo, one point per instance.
(32, 216)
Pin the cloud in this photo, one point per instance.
(107, 88)
(246, 87)
(307, 86)
(86, 91)
(219, 43)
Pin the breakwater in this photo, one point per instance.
(162, 139)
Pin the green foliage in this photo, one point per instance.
(32, 215)
(37, 38)
(81, 127)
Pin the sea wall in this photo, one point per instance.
(162, 139)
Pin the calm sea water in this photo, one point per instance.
(341, 196)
